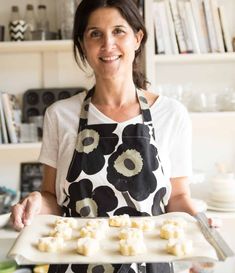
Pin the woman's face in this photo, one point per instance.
(109, 43)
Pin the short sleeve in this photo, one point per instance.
(181, 146)
(49, 151)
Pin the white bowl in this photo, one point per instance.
(4, 219)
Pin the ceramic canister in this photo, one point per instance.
(17, 30)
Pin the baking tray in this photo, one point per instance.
(25, 251)
(35, 101)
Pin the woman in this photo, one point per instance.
(102, 149)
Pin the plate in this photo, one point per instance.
(212, 205)
(220, 209)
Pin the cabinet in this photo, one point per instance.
(213, 132)
(50, 64)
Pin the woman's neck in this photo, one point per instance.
(114, 93)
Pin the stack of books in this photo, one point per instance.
(10, 118)
(191, 26)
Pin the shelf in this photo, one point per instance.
(209, 58)
(20, 146)
(212, 114)
(35, 46)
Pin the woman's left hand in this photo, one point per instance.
(215, 222)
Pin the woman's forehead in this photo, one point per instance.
(104, 16)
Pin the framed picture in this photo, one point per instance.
(31, 177)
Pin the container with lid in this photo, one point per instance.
(66, 11)
(17, 26)
(30, 19)
(42, 22)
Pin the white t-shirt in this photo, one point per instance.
(171, 122)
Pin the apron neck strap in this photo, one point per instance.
(145, 111)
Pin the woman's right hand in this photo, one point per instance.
(23, 212)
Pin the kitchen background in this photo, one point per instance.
(39, 70)
(204, 81)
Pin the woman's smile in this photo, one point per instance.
(109, 59)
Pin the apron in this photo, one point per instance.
(107, 176)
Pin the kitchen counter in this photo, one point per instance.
(8, 236)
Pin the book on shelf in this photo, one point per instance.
(9, 103)
(200, 23)
(193, 35)
(158, 29)
(186, 28)
(162, 17)
(214, 45)
(172, 33)
(4, 133)
(225, 30)
(218, 30)
(178, 26)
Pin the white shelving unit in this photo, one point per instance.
(36, 64)
(36, 46)
(21, 146)
(213, 133)
(41, 64)
(33, 64)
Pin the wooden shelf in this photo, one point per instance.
(209, 58)
(20, 146)
(35, 46)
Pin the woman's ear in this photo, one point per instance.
(139, 36)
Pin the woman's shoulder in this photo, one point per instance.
(69, 104)
(159, 101)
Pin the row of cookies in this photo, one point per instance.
(130, 235)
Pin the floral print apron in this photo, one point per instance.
(115, 169)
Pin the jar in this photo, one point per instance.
(66, 11)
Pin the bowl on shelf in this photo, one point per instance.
(4, 219)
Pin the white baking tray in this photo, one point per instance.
(25, 251)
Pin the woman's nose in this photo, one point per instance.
(108, 42)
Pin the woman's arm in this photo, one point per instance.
(48, 192)
(43, 202)
(180, 199)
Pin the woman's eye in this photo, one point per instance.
(118, 31)
(95, 34)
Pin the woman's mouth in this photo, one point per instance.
(109, 58)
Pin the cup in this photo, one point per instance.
(17, 29)
(5, 202)
(38, 120)
(2, 202)
(204, 102)
(28, 133)
(2, 33)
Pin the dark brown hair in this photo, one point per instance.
(129, 12)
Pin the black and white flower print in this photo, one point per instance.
(93, 143)
(131, 167)
(84, 201)
(157, 201)
(130, 211)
